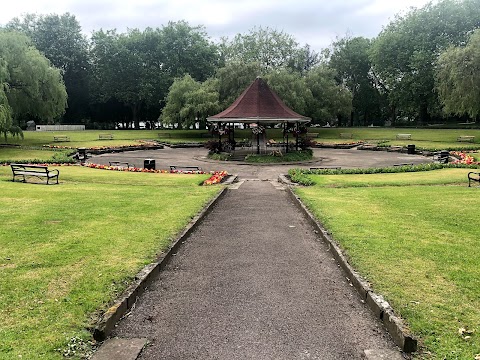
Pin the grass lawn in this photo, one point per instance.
(66, 251)
(414, 236)
(429, 139)
(20, 154)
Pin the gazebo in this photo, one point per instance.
(258, 106)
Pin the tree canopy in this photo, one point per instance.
(60, 39)
(406, 73)
(32, 87)
(405, 53)
(458, 78)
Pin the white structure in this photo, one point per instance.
(59, 127)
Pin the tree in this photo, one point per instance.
(458, 78)
(137, 68)
(234, 78)
(351, 62)
(292, 88)
(34, 87)
(329, 101)
(61, 40)
(405, 53)
(189, 101)
(271, 49)
(6, 125)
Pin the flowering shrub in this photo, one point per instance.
(216, 178)
(464, 158)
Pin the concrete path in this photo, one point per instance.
(254, 282)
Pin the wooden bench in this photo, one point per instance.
(39, 171)
(466, 139)
(165, 135)
(346, 136)
(473, 176)
(119, 163)
(403, 136)
(403, 164)
(105, 136)
(61, 138)
(184, 168)
(312, 135)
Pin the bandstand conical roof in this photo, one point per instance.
(258, 104)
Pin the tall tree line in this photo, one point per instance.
(422, 68)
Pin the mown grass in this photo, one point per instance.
(414, 236)
(428, 139)
(67, 250)
(15, 154)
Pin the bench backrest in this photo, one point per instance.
(38, 168)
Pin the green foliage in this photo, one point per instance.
(234, 78)
(292, 156)
(137, 68)
(35, 88)
(301, 175)
(328, 100)
(60, 39)
(292, 89)
(458, 78)
(270, 48)
(405, 53)
(189, 101)
(352, 64)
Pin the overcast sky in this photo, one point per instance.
(316, 22)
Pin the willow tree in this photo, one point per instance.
(458, 78)
(32, 87)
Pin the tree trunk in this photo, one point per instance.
(135, 119)
(394, 115)
(424, 115)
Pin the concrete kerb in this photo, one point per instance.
(144, 278)
(381, 308)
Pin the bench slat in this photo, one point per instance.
(33, 170)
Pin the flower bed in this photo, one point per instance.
(215, 178)
(143, 144)
(463, 158)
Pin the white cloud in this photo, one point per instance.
(317, 22)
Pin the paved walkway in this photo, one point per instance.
(253, 282)
(345, 158)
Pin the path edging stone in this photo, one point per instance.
(381, 308)
(146, 276)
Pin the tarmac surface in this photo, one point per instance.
(323, 157)
(253, 281)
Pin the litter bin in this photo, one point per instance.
(82, 153)
(149, 164)
(411, 149)
(444, 155)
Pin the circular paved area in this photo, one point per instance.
(345, 158)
